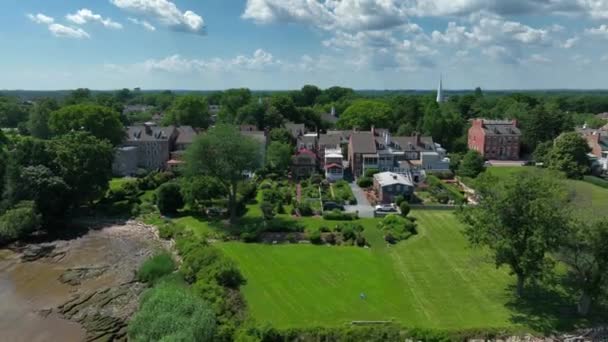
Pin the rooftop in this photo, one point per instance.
(391, 178)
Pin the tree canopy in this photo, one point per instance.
(100, 121)
(189, 110)
(569, 155)
(471, 165)
(364, 114)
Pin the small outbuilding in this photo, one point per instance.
(388, 185)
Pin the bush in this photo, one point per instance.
(197, 260)
(369, 173)
(337, 215)
(225, 273)
(399, 199)
(315, 237)
(169, 198)
(365, 182)
(361, 242)
(330, 238)
(397, 228)
(155, 268)
(305, 209)
(167, 230)
(19, 222)
(170, 312)
(405, 209)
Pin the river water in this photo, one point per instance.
(31, 292)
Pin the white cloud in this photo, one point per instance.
(58, 30)
(537, 58)
(41, 18)
(259, 61)
(569, 43)
(63, 31)
(166, 12)
(85, 15)
(601, 31)
(142, 23)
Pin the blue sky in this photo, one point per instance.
(284, 44)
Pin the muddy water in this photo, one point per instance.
(31, 292)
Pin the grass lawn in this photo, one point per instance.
(117, 183)
(433, 280)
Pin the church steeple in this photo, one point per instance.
(440, 98)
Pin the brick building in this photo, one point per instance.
(495, 139)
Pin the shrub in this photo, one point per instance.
(365, 182)
(315, 237)
(197, 260)
(225, 272)
(397, 228)
(316, 179)
(19, 222)
(337, 215)
(324, 229)
(361, 242)
(169, 198)
(305, 209)
(170, 312)
(267, 210)
(405, 209)
(330, 238)
(399, 199)
(167, 230)
(369, 173)
(249, 236)
(155, 268)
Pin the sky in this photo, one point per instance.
(285, 44)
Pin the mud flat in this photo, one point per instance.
(83, 289)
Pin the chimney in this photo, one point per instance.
(373, 130)
(148, 128)
(387, 138)
(333, 111)
(417, 138)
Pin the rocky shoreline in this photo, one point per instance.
(92, 278)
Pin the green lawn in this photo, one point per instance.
(433, 280)
(117, 183)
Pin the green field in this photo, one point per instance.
(433, 280)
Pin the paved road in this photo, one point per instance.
(363, 207)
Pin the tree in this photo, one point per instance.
(405, 208)
(284, 105)
(190, 110)
(38, 123)
(520, 219)
(542, 151)
(201, 189)
(18, 222)
(584, 251)
(278, 157)
(12, 113)
(79, 95)
(101, 122)
(252, 113)
(471, 165)
(281, 135)
(169, 198)
(569, 155)
(171, 312)
(310, 94)
(364, 114)
(226, 154)
(84, 163)
(544, 123)
(267, 210)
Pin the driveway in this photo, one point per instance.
(363, 207)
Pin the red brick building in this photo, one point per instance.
(495, 139)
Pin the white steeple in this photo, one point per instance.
(440, 98)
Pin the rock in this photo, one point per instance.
(35, 252)
(75, 276)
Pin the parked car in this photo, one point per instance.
(385, 209)
(329, 206)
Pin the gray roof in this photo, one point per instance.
(391, 178)
(330, 140)
(363, 142)
(500, 127)
(149, 133)
(186, 135)
(308, 139)
(426, 144)
(329, 118)
(295, 129)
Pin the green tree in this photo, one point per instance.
(12, 113)
(226, 154)
(170, 312)
(281, 135)
(169, 198)
(189, 110)
(198, 190)
(569, 155)
(233, 99)
(542, 151)
(38, 123)
(310, 94)
(584, 251)
(278, 157)
(101, 122)
(84, 163)
(80, 95)
(364, 114)
(252, 113)
(18, 222)
(471, 165)
(284, 105)
(520, 219)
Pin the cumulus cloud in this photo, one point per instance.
(58, 30)
(41, 18)
(601, 31)
(260, 60)
(569, 43)
(166, 12)
(85, 15)
(145, 24)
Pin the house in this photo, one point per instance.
(598, 142)
(388, 185)
(125, 161)
(333, 164)
(495, 139)
(379, 150)
(296, 130)
(330, 119)
(153, 144)
(185, 137)
(307, 141)
(303, 163)
(328, 142)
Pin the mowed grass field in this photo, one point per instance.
(433, 280)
